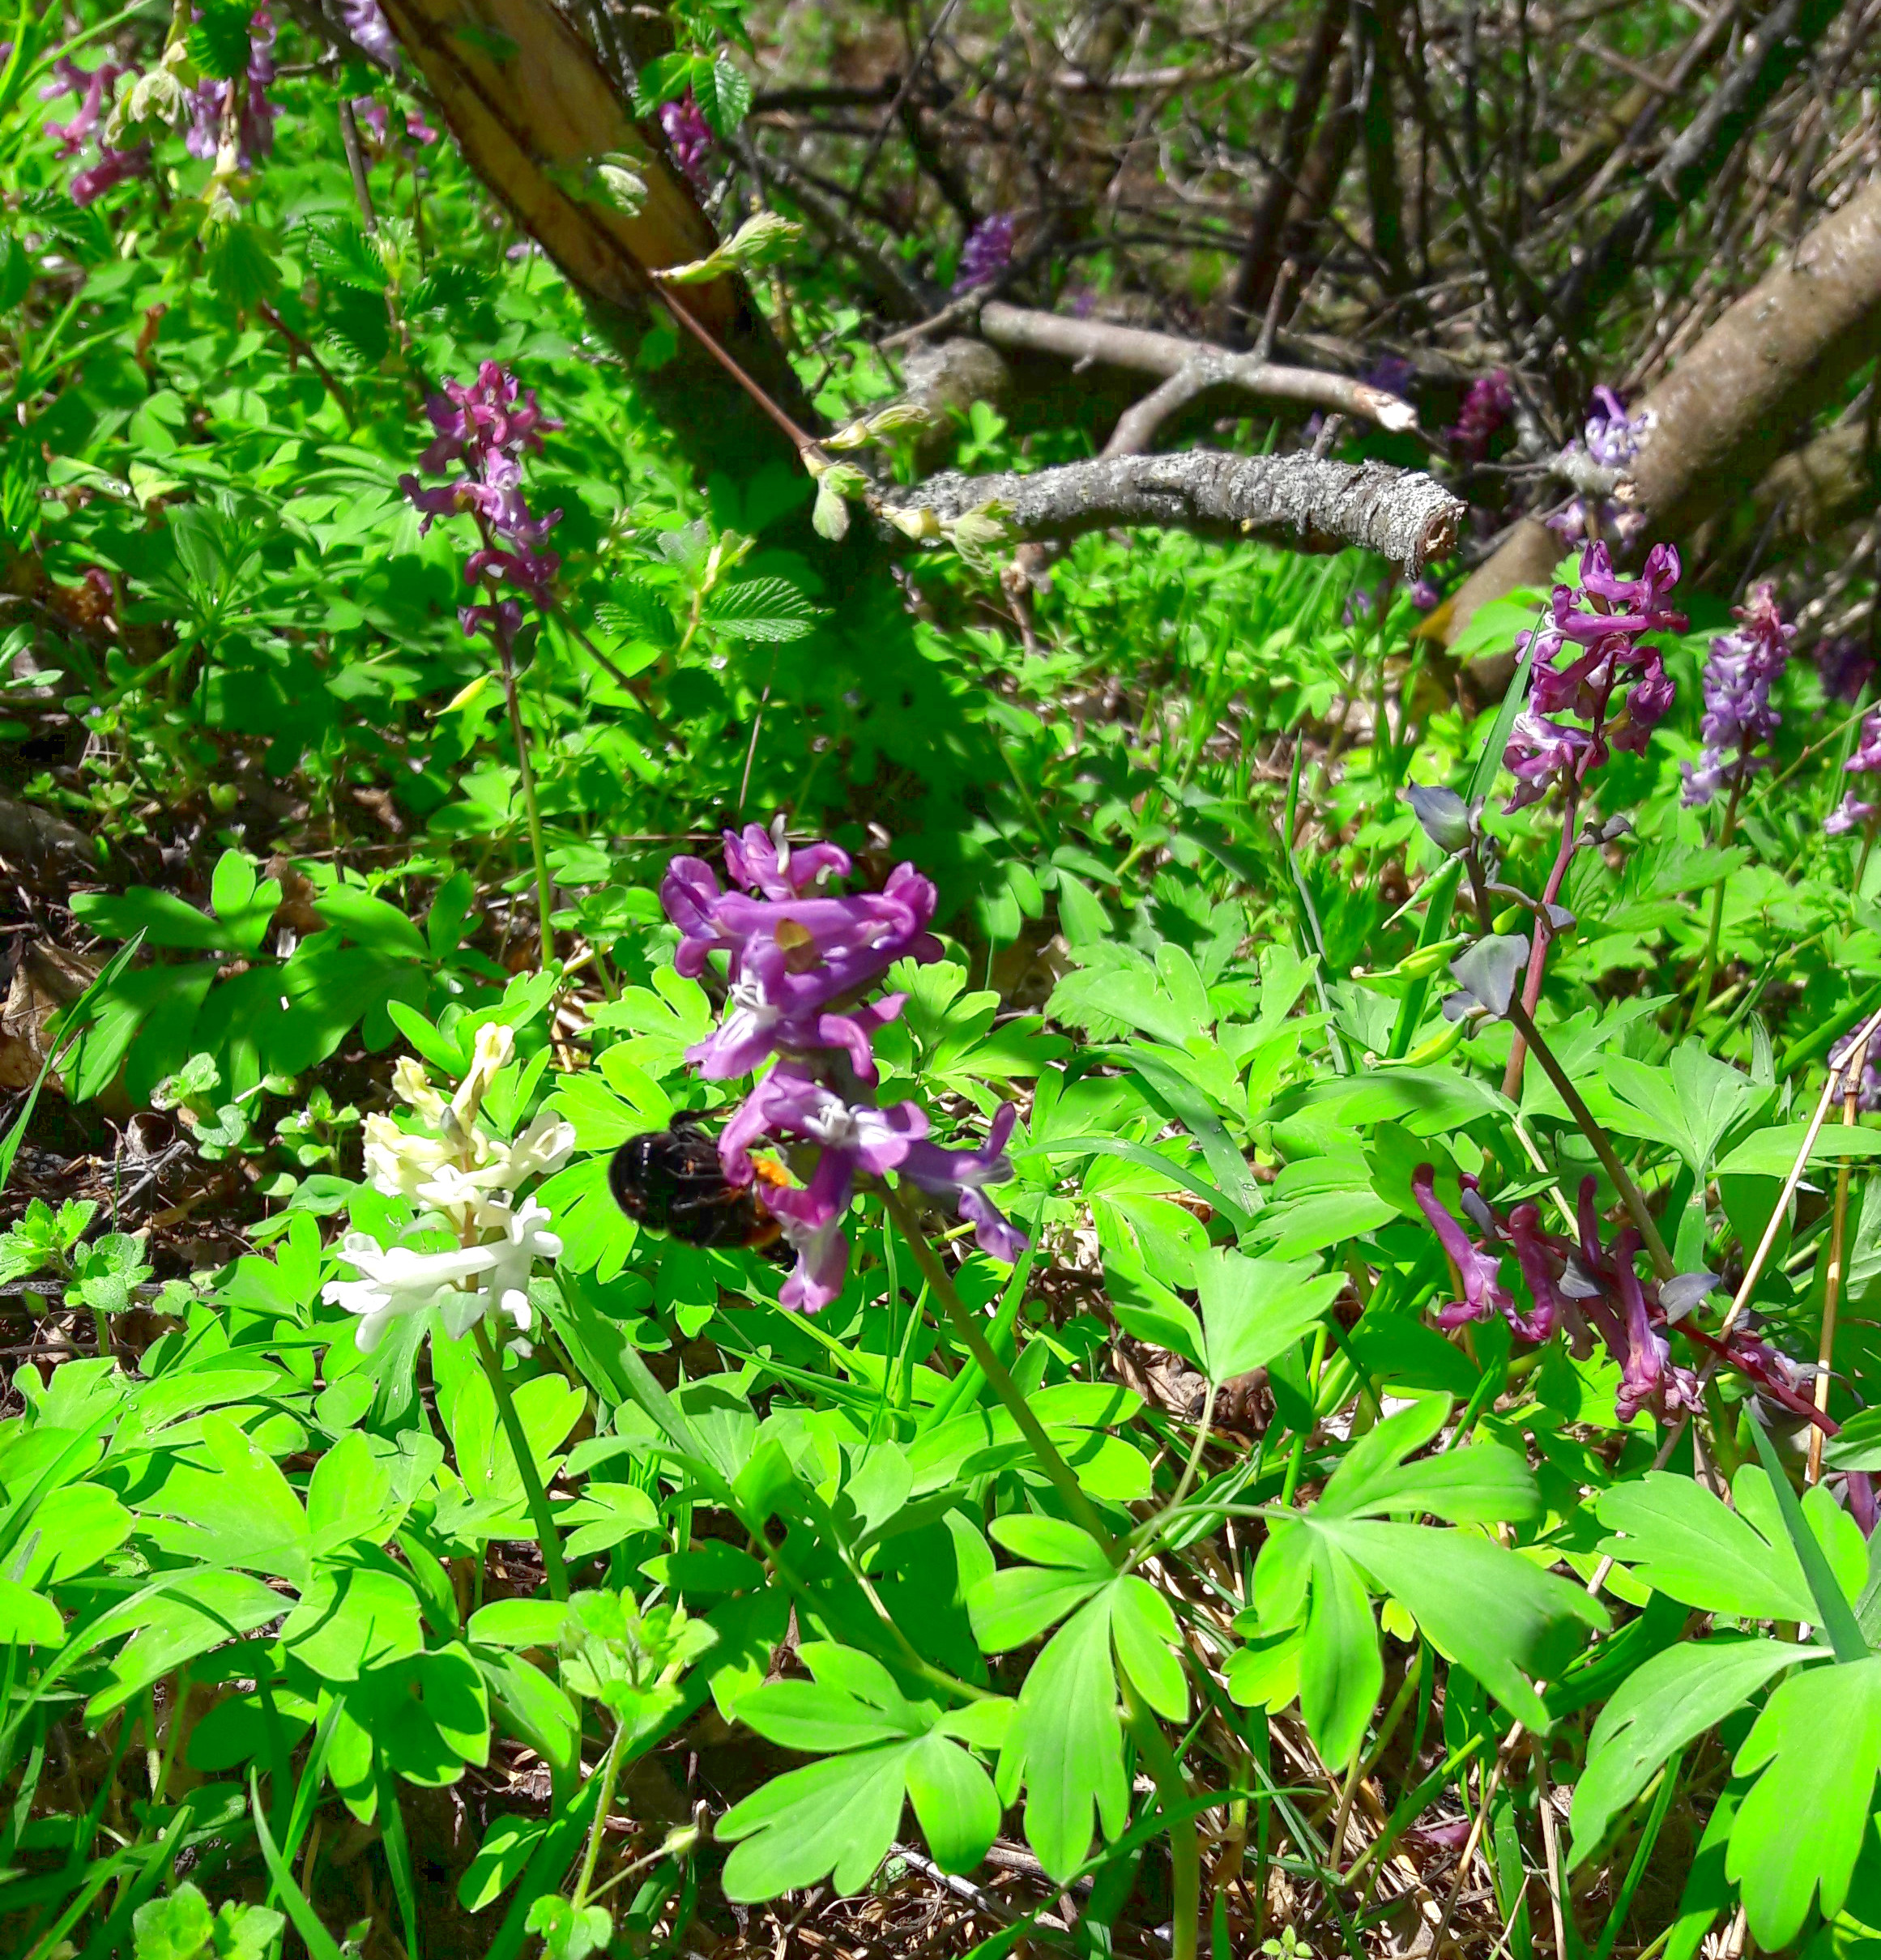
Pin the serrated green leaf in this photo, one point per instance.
(763, 609)
(340, 249)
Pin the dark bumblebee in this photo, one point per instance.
(670, 1180)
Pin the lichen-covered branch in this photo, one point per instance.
(1306, 502)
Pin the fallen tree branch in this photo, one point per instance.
(1302, 501)
(1105, 343)
(1736, 401)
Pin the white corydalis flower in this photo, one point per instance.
(502, 1287)
(494, 1045)
(466, 1283)
(398, 1161)
(453, 1165)
(411, 1084)
(398, 1281)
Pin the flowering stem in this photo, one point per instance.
(538, 1498)
(1082, 1511)
(1708, 967)
(531, 815)
(1591, 1130)
(1512, 1080)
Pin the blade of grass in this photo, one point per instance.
(1836, 1615)
(320, 1944)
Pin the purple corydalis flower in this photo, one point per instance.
(1846, 666)
(987, 253)
(1392, 373)
(1487, 404)
(1478, 1272)
(791, 959)
(365, 21)
(797, 954)
(93, 90)
(1611, 440)
(791, 1102)
(1849, 814)
(689, 136)
(1581, 1285)
(257, 118)
(961, 1174)
(1738, 674)
(1866, 759)
(1868, 1092)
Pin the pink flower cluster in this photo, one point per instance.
(1594, 645)
(1488, 405)
(690, 137)
(1591, 1288)
(484, 427)
(93, 88)
(798, 958)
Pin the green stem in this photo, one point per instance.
(610, 1774)
(532, 1488)
(1184, 1845)
(532, 815)
(1591, 1130)
(1082, 1511)
(1708, 966)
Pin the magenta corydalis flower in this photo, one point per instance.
(689, 136)
(1592, 661)
(1589, 1287)
(477, 419)
(113, 168)
(93, 90)
(1479, 1271)
(1488, 405)
(484, 426)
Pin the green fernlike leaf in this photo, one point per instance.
(1254, 1308)
(1479, 1604)
(1664, 1704)
(840, 1816)
(1797, 1833)
(1066, 1740)
(1683, 1542)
